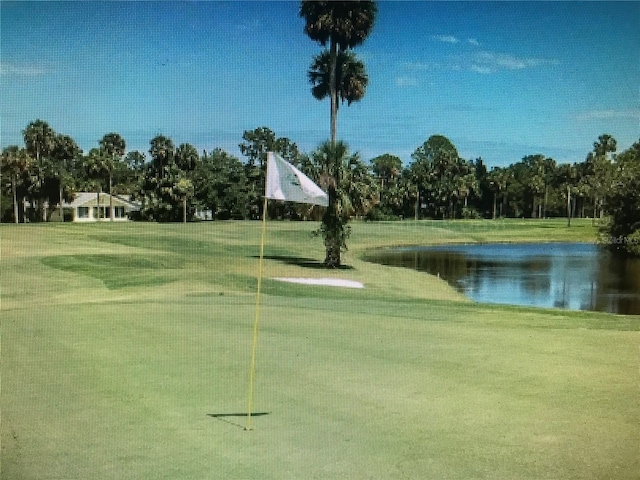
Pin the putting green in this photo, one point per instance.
(125, 354)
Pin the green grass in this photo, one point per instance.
(125, 354)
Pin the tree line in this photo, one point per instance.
(172, 183)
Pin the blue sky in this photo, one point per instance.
(502, 80)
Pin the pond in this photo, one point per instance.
(573, 276)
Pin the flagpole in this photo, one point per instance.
(254, 337)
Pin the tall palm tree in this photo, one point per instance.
(65, 150)
(467, 184)
(351, 77)
(97, 164)
(599, 171)
(162, 153)
(187, 159)
(497, 185)
(15, 162)
(535, 181)
(114, 146)
(39, 139)
(183, 189)
(343, 25)
(568, 175)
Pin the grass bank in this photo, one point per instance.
(125, 354)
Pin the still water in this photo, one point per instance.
(574, 276)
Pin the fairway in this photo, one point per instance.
(126, 347)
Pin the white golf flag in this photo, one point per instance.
(286, 182)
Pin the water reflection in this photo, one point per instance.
(574, 276)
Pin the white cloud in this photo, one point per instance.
(446, 38)
(454, 39)
(21, 70)
(481, 69)
(487, 62)
(482, 62)
(406, 82)
(609, 115)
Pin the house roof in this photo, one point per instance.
(90, 199)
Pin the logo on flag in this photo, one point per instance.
(286, 182)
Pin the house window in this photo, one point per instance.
(118, 212)
(83, 212)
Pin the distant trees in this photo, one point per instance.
(498, 179)
(127, 179)
(174, 184)
(567, 176)
(159, 192)
(221, 186)
(387, 170)
(442, 178)
(623, 203)
(599, 172)
(538, 175)
(15, 163)
(178, 182)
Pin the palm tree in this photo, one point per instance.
(343, 25)
(162, 153)
(329, 158)
(467, 184)
(186, 160)
(187, 157)
(601, 169)
(351, 188)
(39, 139)
(183, 189)
(65, 150)
(351, 77)
(549, 167)
(497, 184)
(114, 146)
(98, 166)
(16, 162)
(363, 189)
(568, 176)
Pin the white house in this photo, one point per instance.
(85, 207)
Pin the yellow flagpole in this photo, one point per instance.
(254, 337)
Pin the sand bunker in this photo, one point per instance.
(330, 282)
